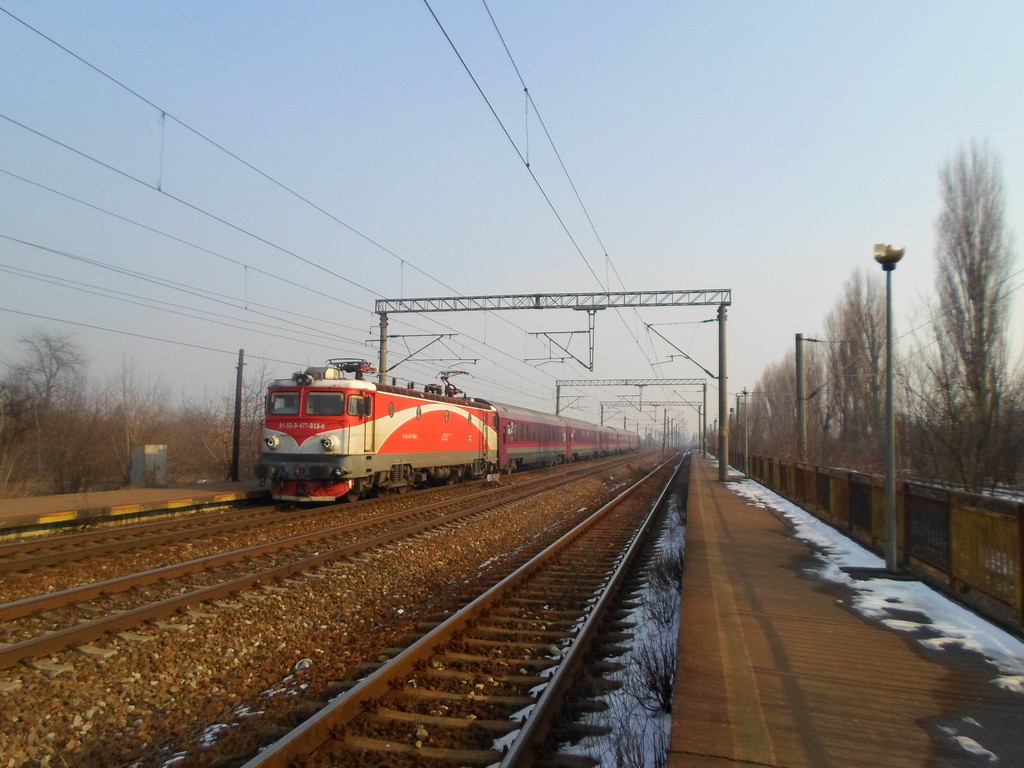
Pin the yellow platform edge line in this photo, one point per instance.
(125, 509)
(58, 517)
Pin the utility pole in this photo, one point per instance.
(382, 362)
(801, 402)
(237, 429)
(704, 426)
(746, 445)
(723, 399)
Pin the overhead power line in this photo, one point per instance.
(511, 141)
(526, 164)
(165, 114)
(551, 142)
(150, 303)
(182, 241)
(184, 202)
(141, 335)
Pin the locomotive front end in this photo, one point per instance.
(318, 429)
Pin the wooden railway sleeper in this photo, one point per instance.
(401, 682)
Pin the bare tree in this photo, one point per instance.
(854, 356)
(962, 429)
(138, 411)
(254, 396)
(773, 413)
(41, 391)
(16, 421)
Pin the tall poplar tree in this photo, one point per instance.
(965, 427)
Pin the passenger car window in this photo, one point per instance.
(325, 403)
(283, 403)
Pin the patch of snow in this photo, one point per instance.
(1013, 683)
(951, 625)
(970, 745)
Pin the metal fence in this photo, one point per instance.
(970, 545)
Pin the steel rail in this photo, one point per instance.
(37, 543)
(308, 736)
(82, 633)
(135, 536)
(523, 751)
(17, 609)
(121, 544)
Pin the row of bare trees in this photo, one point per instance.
(61, 432)
(959, 386)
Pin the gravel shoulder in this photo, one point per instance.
(225, 678)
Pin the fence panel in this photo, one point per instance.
(928, 525)
(986, 552)
(824, 490)
(860, 502)
(840, 500)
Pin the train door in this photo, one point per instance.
(361, 431)
(369, 424)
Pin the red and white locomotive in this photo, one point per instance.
(326, 436)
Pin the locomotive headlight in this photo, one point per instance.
(271, 442)
(330, 443)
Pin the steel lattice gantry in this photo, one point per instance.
(579, 301)
(702, 408)
(589, 302)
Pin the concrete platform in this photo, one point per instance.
(776, 669)
(34, 512)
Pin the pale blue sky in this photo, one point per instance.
(760, 147)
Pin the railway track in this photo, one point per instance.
(44, 624)
(59, 563)
(484, 686)
(32, 553)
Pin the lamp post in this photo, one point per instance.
(888, 257)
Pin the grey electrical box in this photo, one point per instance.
(149, 466)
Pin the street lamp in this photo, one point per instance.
(888, 257)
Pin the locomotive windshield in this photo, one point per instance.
(283, 403)
(325, 403)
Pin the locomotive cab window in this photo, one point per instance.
(358, 405)
(283, 403)
(325, 403)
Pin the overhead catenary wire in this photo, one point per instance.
(551, 142)
(151, 303)
(515, 146)
(200, 210)
(164, 114)
(160, 188)
(526, 163)
(186, 203)
(205, 250)
(182, 241)
(147, 337)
